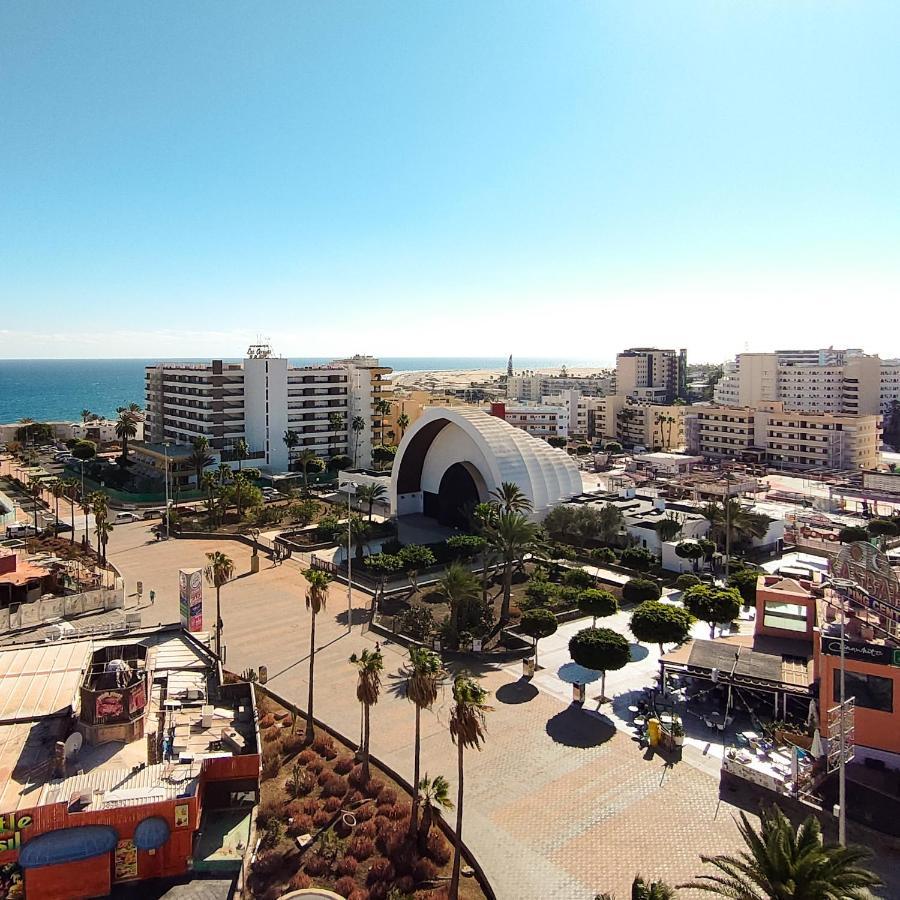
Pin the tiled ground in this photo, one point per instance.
(559, 805)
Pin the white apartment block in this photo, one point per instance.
(845, 382)
(771, 434)
(537, 420)
(576, 407)
(532, 387)
(647, 373)
(263, 397)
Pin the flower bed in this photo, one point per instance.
(359, 847)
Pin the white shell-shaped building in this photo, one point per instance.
(453, 457)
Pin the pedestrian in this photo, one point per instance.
(152, 597)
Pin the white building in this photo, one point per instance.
(538, 420)
(261, 399)
(532, 386)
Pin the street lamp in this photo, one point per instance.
(350, 488)
(166, 455)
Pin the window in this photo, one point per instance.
(786, 616)
(870, 691)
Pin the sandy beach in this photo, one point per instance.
(439, 380)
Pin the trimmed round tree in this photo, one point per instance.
(712, 605)
(578, 578)
(537, 624)
(689, 550)
(602, 650)
(686, 580)
(853, 533)
(744, 582)
(638, 590)
(882, 528)
(637, 558)
(597, 603)
(661, 623)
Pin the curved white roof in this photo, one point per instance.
(499, 451)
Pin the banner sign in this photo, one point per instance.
(873, 653)
(870, 569)
(190, 598)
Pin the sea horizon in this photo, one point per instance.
(53, 389)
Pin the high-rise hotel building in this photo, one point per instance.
(262, 398)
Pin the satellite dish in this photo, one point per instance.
(73, 744)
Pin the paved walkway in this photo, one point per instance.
(559, 805)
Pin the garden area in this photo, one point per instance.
(324, 822)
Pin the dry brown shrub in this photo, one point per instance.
(381, 870)
(424, 870)
(360, 848)
(324, 746)
(387, 795)
(364, 813)
(300, 881)
(321, 818)
(306, 756)
(346, 865)
(316, 865)
(291, 743)
(335, 786)
(301, 824)
(267, 721)
(366, 829)
(359, 894)
(343, 765)
(310, 806)
(345, 886)
(373, 787)
(401, 810)
(438, 847)
(268, 809)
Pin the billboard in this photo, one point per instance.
(869, 568)
(190, 598)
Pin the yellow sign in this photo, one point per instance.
(11, 828)
(126, 861)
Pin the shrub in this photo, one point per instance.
(374, 787)
(539, 592)
(270, 767)
(417, 622)
(316, 865)
(683, 582)
(603, 555)
(344, 765)
(438, 847)
(316, 766)
(300, 782)
(400, 810)
(404, 885)
(345, 886)
(639, 590)
(300, 881)
(270, 735)
(301, 824)
(268, 809)
(306, 757)
(381, 869)
(356, 776)
(267, 863)
(310, 806)
(346, 865)
(332, 804)
(335, 787)
(321, 818)
(365, 828)
(578, 578)
(744, 581)
(324, 746)
(291, 743)
(267, 721)
(638, 558)
(359, 894)
(364, 813)
(387, 795)
(361, 848)
(424, 870)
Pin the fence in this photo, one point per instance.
(27, 615)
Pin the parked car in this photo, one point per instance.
(20, 530)
(58, 527)
(152, 514)
(123, 518)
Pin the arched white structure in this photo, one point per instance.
(445, 442)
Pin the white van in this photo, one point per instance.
(123, 518)
(20, 530)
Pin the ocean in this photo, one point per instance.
(59, 389)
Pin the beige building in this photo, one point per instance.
(840, 382)
(771, 434)
(637, 424)
(647, 373)
(412, 403)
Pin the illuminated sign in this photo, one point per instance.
(190, 598)
(11, 828)
(868, 567)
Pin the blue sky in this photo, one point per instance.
(465, 178)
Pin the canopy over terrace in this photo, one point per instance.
(760, 664)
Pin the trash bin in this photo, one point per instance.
(577, 693)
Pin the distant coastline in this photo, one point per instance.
(59, 389)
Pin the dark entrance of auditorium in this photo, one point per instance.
(456, 495)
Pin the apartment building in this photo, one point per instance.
(843, 382)
(771, 434)
(647, 373)
(636, 424)
(262, 398)
(532, 387)
(537, 420)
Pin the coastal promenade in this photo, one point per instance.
(559, 804)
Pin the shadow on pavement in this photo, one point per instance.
(358, 616)
(574, 727)
(638, 652)
(520, 691)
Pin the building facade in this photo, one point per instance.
(647, 373)
(636, 424)
(261, 399)
(771, 434)
(531, 386)
(538, 420)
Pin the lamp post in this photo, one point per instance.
(350, 488)
(166, 455)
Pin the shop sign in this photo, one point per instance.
(866, 566)
(190, 598)
(873, 653)
(11, 828)
(181, 815)
(137, 700)
(109, 705)
(126, 861)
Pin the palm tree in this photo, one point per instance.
(358, 426)
(402, 424)
(511, 537)
(200, 457)
(335, 424)
(359, 530)
(102, 528)
(510, 498)
(316, 599)
(126, 427)
(382, 410)
(467, 729)
(423, 675)
(368, 686)
(34, 482)
(241, 452)
(655, 890)
(371, 494)
(458, 587)
(209, 483)
(291, 439)
(99, 506)
(306, 458)
(71, 486)
(85, 415)
(433, 796)
(57, 489)
(783, 864)
(744, 523)
(219, 570)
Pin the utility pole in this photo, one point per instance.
(166, 454)
(350, 487)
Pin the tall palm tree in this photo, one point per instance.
(744, 523)
(241, 452)
(102, 528)
(371, 494)
(783, 864)
(335, 425)
(99, 506)
(369, 665)
(382, 410)
(209, 483)
(200, 457)
(433, 795)
(85, 415)
(291, 439)
(467, 730)
(305, 459)
(219, 570)
(459, 587)
(126, 427)
(511, 537)
(509, 497)
(57, 489)
(71, 486)
(359, 530)
(423, 675)
(402, 424)
(358, 426)
(316, 599)
(34, 483)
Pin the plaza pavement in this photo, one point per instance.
(560, 804)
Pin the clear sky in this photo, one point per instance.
(475, 177)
